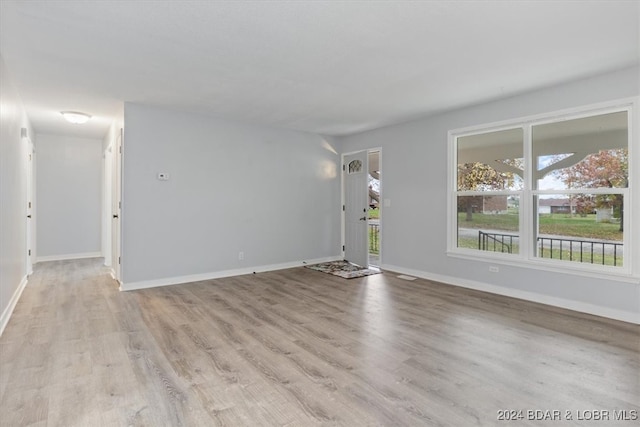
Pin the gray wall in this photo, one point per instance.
(271, 193)
(69, 188)
(414, 170)
(13, 187)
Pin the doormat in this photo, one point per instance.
(344, 269)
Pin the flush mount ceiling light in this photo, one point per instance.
(75, 117)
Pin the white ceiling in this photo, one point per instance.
(330, 67)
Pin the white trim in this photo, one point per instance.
(462, 193)
(559, 192)
(452, 186)
(69, 256)
(596, 310)
(342, 203)
(107, 185)
(120, 193)
(220, 274)
(6, 314)
(380, 203)
(634, 183)
(545, 264)
(528, 226)
(30, 207)
(545, 118)
(599, 190)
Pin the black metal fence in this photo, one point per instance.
(580, 250)
(495, 242)
(590, 251)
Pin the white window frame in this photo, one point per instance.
(629, 272)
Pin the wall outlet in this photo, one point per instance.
(494, 269)
(240, 256)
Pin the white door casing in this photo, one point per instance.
(108, 205)
(116, 207)
(356, 203)
(29, 214)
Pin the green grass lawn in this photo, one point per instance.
(374, 240)
(554, 224)
(586, 227)
(506, 222)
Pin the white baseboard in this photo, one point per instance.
(611, 313)
(8, 311)
(220, 274)
(69, 256)
(112, 273)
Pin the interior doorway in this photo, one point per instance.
(116, 207)
(112, 204)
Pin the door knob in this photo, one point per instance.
(364, 218)
(28, 216)
(115, 215)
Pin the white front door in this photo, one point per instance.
(356, 204)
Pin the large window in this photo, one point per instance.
(551, 190)
(489, 182)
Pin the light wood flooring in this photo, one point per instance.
(301, 348)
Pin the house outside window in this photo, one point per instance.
(551, 190)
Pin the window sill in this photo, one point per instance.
(563, 267)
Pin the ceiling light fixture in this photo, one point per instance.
(75, 117)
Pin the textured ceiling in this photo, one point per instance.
(326, 67)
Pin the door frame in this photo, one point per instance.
(116, 203)
(30, 240)
(380, 203)
(107, 204)
(342, 199)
